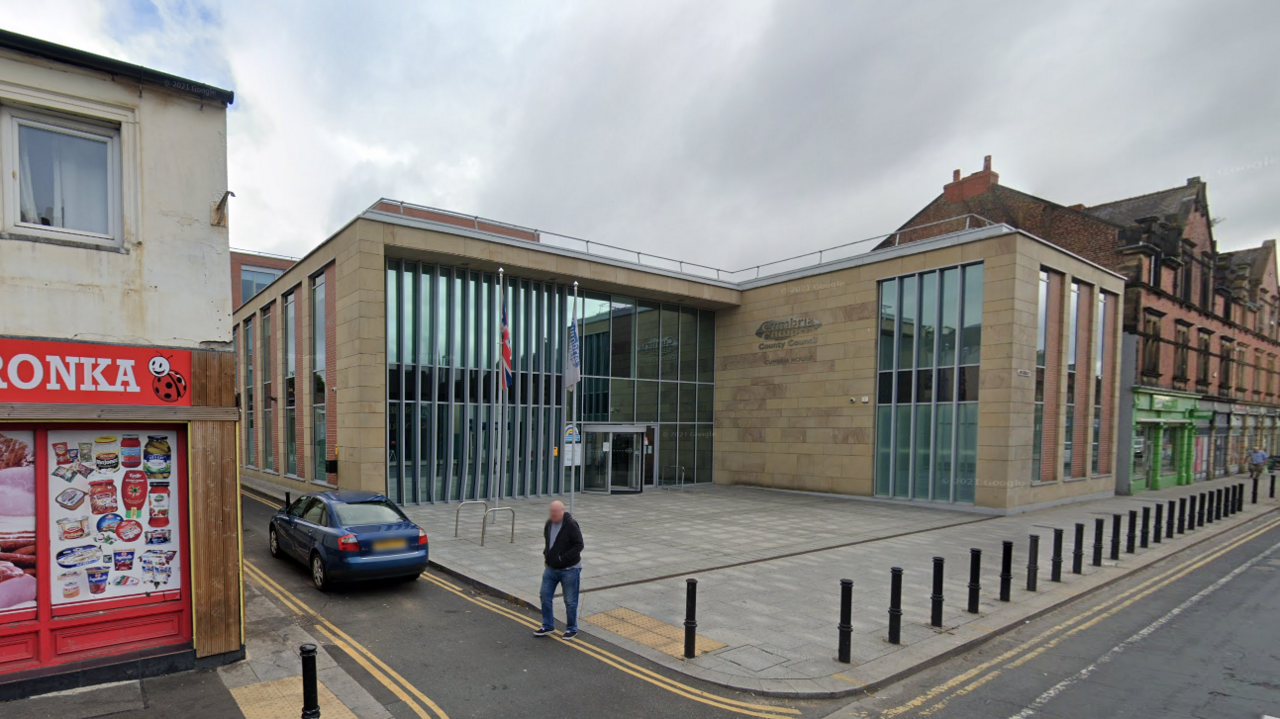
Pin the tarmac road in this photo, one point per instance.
(1196, 636)
(435, 648)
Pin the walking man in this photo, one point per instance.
(1257, 462)
(562, 555)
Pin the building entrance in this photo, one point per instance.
(617, 458)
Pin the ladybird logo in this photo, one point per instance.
(168, 384)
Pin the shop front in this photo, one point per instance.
(1166, 438)
(112, 459)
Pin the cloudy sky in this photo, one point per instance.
(729, 133)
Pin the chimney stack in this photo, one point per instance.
(959, 190)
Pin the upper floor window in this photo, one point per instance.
(62, 177)
(254, 280)
(1151, 346)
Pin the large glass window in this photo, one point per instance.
(250, 433)
(254, 280)
(1042, 336)
(268, 423)
(319, 353)
(289, 331)
(643, 362)
(930, 342)
(1073, 323)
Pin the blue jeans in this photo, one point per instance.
(568, 581)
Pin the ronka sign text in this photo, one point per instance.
(75, 373)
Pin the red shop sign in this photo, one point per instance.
(77, 373)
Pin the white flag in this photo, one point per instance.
(573, 358)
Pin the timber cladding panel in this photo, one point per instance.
(215, 538)
(214, 509)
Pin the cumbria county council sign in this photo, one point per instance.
(778, 334)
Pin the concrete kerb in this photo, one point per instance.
(948, 643)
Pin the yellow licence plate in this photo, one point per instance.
(383, 545)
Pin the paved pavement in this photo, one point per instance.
(1166, 642)
(266, 685)
(769, 564)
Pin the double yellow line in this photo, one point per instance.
(386, 676)
(981, 674)
(617, 662)
(416, 700)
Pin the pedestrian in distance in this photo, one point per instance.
(1257, 462)
(562, 559)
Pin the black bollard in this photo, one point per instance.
(1182, 515)
(1077, 555)
(1055, 562)
(975, 579)
(1200, 510)
(1192, 504)
(1168, 525)
(690, 617)
(1254, 496)
(1131, 538)
(1006, 569)
(1157, 534)
(1115, 537)
(895, 605)
(846, 619)
(1272, 493)
(935, 613)
(1228, 501)
(1144, 538)
(310, 696)
(1217, 504)
(1099, 526)
(1033, 559)
(1240, 490)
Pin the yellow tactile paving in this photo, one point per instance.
(283, 698)
(650, 632)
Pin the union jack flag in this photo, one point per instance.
(506, 350)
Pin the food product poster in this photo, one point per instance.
(18, 559)
(114, 523)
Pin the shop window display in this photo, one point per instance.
(19, 561)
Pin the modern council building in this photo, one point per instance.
(936, 371)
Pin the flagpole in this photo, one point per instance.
(573, 475)
(497, 402)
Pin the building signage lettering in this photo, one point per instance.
(779, 334)
(75, 373)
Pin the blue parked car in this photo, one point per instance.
(346, 535)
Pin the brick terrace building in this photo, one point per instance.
(1200, 326)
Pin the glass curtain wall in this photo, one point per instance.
(927, 385)
(648, 363)
(289, 331)
(250, 433)
(318, 393)
(268, 371)
(442, 425)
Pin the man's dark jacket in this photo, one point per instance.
(567, 550)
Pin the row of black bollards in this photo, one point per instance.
(1168, 519)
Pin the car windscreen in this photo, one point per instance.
(375, 512)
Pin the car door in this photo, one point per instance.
(287, 525)
(310, 528)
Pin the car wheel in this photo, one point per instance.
(319, 576)
(273, 543)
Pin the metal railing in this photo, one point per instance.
(756, 272)
(458, 511)
(484, 525)
(679, 477)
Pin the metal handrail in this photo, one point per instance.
(458, 511)
(484, 525)
(680, 474)
(647, 259)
